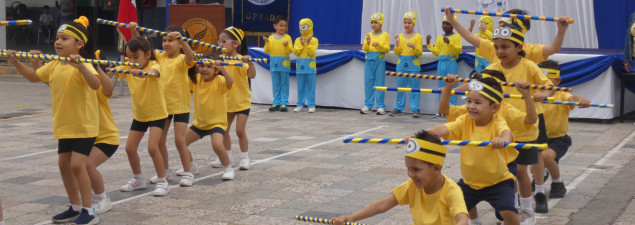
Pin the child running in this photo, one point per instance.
(279, 45)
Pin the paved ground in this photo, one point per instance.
(301, 167)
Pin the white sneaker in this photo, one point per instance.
(162, 189)
(217, 164)
(527, 217)
(364, 110)
(187, 179)
(228, 174)
(298, 109)
(244, 163)
(381, 111)
(169, 174)
(102, 205)
(193, 169)
(134, 184)
(311, 109)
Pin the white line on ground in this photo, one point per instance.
(172, 187)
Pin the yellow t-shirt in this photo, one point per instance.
(557, 116)
(209, 103)
(75, 107)
(275, 47)
(454, 48)
(383, 43)
(148, 103)
(514, 118)
(403, 48)
(481, 167)
(439, 208)
(239, 97)
(526, 70)
(175, 82)
(533, 52)
(305, 51)
(108, 131)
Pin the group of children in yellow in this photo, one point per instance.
(160, 94)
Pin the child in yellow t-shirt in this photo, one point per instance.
(376, 45)
(408, 47)
(279, 45)
(557, 116)
(485, 29)
(433, 197)
(210, 112)
(447, 49)
(239, 97)
(75, 114)
(484, 170)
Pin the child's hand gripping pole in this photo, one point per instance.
(510, 15)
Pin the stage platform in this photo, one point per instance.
(343, 86)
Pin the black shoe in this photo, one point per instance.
(86, 219)
(557, 190)
(416, 114)
(274, 108)
(395, 112)
(533, 182)
(66, 216)
(541, 203)
(283, 108)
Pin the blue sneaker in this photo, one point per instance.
(66, 216)
(86, 219)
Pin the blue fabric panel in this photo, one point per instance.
(611, 21)
(339, 21)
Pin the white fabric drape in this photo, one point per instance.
(581, 34)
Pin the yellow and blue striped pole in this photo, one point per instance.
(260, 60)
(145, 74)
(15, 22)
(207, 63)
(322, 220)
(162, 33)
(448, 142)
(25, 55)
(433, 77)
(510, 15)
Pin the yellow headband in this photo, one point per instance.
(517, 21)
(377, 17)
(426, 151)
(73, 31)
(412, 16)
(486, 90)
(551, 73)
(486, 75)
(509, 34)
(238, 33)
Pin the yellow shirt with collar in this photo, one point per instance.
(481, 167)
(175, 82)
(108, 131)
(239, 97)
(148, 101)
(439, 208)
(209, 103)
(74, 104)
(557, 116)
(454, 48)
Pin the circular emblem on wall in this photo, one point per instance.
(202, 30)
(261, 2)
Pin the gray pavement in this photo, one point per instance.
(300, 167)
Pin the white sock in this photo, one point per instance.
(138, 176)
(540, 188)
(525, 203)
(474, 221)
(90, 210)
(244, 154)
(76, 207)
(229, 167)
(557, 180)
(101, 196)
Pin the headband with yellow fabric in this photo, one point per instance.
(412, 16)
(237, 33)
(551, 73)
(377, 17)
(509, 34)
(76, 29)
(486, 75)
(426, 151)
(486, 90)
(515, 21)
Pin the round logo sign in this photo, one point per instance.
(202, 30)
(261, 2)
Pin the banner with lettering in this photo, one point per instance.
(257, 16)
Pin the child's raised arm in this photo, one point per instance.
(557, 41)
(499, 142)
(374, 208)
(133, 29)
(466, 34)
(530, 106)
(444, 103)
(440, 130)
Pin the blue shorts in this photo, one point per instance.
(560, 145)
(500, 196)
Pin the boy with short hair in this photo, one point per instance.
(433, 197)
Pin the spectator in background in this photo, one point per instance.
(67, 10)
(46, 23)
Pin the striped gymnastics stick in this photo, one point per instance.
(146, 74)
(432, 77)
(207, 63)
(152, 31)
(448, 142)
(25, 55)
(511, 15)
(260, 60)
(550, 100)
(322, 220)
(15, 22)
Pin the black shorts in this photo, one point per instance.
(143, 126)
(180, 118)
(513, 168)
(79, 145)
(203, 133)
(107, 149)
(527, 156)
(500, 196)
(245, 112)
(560, 145)
(542, 130)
